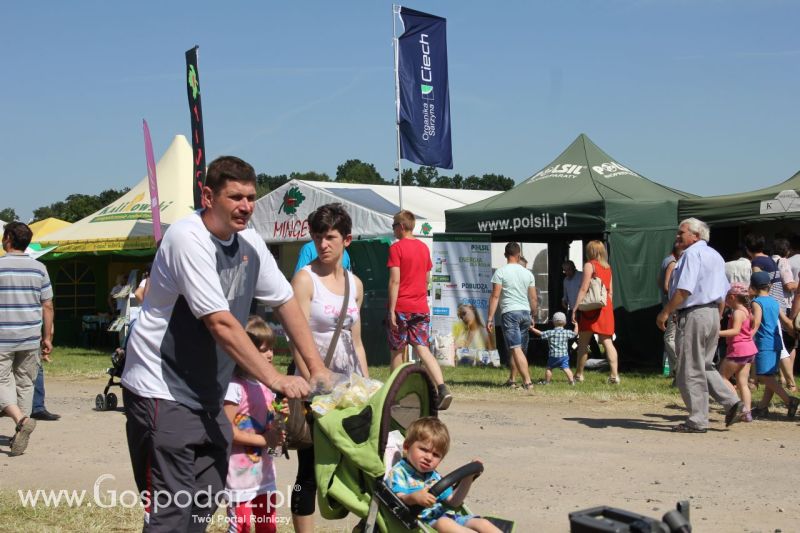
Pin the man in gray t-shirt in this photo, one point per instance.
(514, 288)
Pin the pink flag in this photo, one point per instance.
(155, 209)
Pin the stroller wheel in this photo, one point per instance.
(100, 402)
(111, 401)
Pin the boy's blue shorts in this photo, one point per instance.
(767, 363)
(558, 362)
(460, 519)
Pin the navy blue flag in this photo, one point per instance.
(424, 107)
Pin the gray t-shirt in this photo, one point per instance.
(515, 280)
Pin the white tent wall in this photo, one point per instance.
(280, 216)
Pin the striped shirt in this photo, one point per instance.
(558, 339)
(404, 479)
(24, 285)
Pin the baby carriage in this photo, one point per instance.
(349, 447)
(108, 400)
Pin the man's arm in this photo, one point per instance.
(47, 327)
(296, 327)
(394, 289)
(672, 305)
(493, 299)
(533, 300)
(232, 338)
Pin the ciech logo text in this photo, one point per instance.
(426, 90)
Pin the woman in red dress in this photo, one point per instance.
(600, 321)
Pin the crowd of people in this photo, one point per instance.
(759, 336)
(202, 396)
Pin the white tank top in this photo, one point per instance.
(323, 317)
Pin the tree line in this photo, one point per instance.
(77, 206)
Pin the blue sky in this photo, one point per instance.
(698, 95)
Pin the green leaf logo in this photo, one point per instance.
(291, 201)
(193, 83)
(426, 89)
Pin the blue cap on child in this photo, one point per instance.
(760, 279)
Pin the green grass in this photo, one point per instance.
(470, 382)
(78, 362)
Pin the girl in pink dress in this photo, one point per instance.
(741, 348)
(251, 474)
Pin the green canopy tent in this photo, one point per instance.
(771, 211)
(584, 194)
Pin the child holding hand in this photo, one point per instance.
(427, 442)
(741, 349)
(558, 340)
(250, 407)
(766, 324)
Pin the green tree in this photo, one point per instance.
(426, 176)
(8, 214)
(496, 182)
(356, 171)
(78, 206)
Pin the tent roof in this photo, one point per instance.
(47, 226)
(778, 202)
(571, 194)
(281, 214)
(126, 223)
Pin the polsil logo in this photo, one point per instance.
(426, 228)
(291, 201)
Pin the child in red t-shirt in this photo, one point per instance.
(409, 314)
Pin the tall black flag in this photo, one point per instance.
(196, 112)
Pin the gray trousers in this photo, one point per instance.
(669, 344)
(696, 377)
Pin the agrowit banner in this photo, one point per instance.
(423, 112)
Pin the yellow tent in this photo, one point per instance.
(126, 224)
(47, 226)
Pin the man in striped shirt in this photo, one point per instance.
(26, 329)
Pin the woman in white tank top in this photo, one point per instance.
(319, 290)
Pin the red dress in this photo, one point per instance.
(600, 321)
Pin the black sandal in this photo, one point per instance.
(686, 428)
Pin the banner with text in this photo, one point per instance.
(461, 276)
(196, 112)
(152, 183)
(424, 101)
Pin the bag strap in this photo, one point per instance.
(595, 276)
(340, 322)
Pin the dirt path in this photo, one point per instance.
(543, 459)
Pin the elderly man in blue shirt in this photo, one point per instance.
(697, 292)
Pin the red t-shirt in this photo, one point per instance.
(414, 260)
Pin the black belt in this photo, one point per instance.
(693, 307)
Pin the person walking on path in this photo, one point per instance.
(514, 288)
(600, 321)
(409, 315)
(188, 339)
(697, 292)
(26, 329)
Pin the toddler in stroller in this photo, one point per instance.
(413, 477)
(350, 445)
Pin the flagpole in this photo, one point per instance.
(398, 166)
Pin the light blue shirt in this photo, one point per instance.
(515, 280)
(701, 272)
(309, 252)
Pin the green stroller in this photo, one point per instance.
(349, 447)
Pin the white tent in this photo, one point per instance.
(126, 224)
(280, 216)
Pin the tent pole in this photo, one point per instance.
(398, 166)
